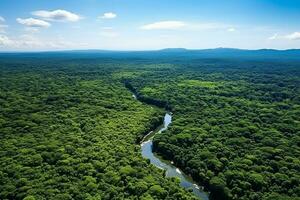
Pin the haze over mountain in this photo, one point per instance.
(228, 53)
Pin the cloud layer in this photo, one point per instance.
(164, 25)
(231, 29)
(292, 36)
(57, 15)
(31, 22)
(5, 41)
(26, 41)
(108, 15)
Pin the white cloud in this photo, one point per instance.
(31, 22)
(5, 41)
(274, 37)
(175, 25)
(28, 41)
(108, 15)
(164, 25)
(2, 19)
(293, 36)
(57, 15)
(19, 42)
(231, 29)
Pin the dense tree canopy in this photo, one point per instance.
(235, 130)
(69, 131)
(69, 127)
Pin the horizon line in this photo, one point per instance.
(144, 50)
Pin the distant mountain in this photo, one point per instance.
(232, 51)
(175, 53)
(174, 50)
(293, 54)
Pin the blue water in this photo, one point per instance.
(171, 171)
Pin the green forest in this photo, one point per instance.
(70, 128)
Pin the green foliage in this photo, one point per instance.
(235, 129)
(197, 83)
(69, 130)
(29, 198)
(69, 127)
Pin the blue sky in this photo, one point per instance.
(33, 25)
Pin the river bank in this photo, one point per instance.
(170, 169)
(146, 143)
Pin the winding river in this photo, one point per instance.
(171, 170)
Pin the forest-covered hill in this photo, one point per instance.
(69, 126)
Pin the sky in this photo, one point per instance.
(42, 25)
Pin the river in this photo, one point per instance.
(171, 170)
